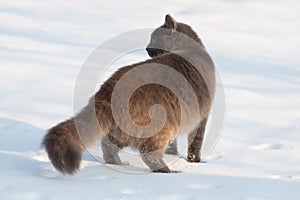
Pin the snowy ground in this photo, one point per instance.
(255, 45)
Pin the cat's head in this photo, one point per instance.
(168, 37)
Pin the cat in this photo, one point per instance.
(170, 46)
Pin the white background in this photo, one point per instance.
(255, 45)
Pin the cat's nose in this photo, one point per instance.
(150, 52)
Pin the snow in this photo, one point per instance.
(255, 45)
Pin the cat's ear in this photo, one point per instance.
(170, 22)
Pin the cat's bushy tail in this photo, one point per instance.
(64, 147)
